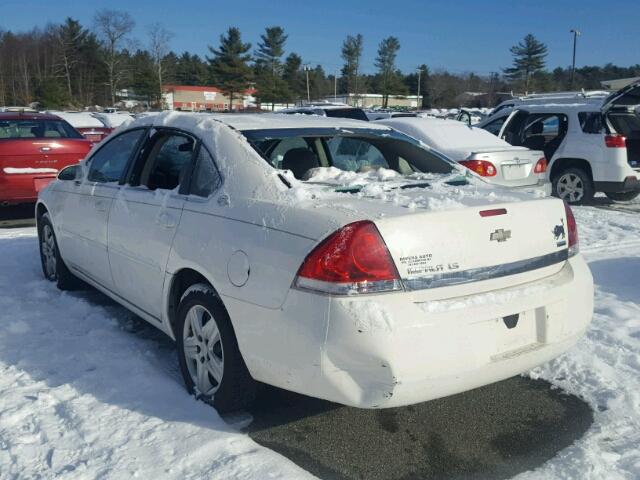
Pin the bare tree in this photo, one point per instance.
(112, 28)
(159, 38)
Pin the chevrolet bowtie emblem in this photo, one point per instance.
(500, 235)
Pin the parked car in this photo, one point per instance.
(470, 116)
(113, 120)
(91, 127)
(33, 148)
(485, 154)
(590, 96)
(591, 147)
(328, 289)
(334, 110)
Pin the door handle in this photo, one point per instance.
(166, 220)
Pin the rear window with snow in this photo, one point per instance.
(14, 129)
(360, 150)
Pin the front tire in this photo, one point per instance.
(211, 363)
(622, 196)
(574, 186)
(53, 267)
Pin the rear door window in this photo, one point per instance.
(168, 161)
(206, 178)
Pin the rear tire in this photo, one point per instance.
(622, 196)
(53, 267)
(211, 363)
(574, 186)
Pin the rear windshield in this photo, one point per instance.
(354, 150)
(11, 129)
(354, 113)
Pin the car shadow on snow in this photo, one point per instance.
(619, 276)
(491, 432)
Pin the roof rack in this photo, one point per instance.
(555, 95)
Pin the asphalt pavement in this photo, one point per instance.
(492, 432)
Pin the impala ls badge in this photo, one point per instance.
(500, 235)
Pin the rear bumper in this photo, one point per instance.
(630, 184)
(22, 187)
(541, 187)
(389, 350)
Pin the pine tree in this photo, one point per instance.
(268, 66)
(389, 80)
(230, 68)
(292, 74)
(528, 59)
(351, 54)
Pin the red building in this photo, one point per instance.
(199, 99)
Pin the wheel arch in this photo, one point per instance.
(41, 209)
(561, 164)
(180, 281)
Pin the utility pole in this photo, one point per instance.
(335, 86)
(306, 69)
(576, 34)
(418, 96)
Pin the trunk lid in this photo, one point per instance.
(40, 155)
(464, 246)
(515, 164)
(627, 98)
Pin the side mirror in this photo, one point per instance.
(69, 173)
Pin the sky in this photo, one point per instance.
(457, 35)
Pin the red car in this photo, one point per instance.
(33, 148)
(91, 127)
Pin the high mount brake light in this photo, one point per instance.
(352, 260)
(541, 166)
(572, 230)
(481, 167)
(615, 141)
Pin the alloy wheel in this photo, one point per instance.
(48, 249)
(570, 187)
(203, 350)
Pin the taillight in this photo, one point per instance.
(352, 260)
(481, 167)
(572, 230)
(541, 166)
(615, 141)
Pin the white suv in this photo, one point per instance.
(590, 147)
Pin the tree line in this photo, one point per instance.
(70, 65)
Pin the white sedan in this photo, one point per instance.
(490, 157)
(331, 257)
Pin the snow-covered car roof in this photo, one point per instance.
(79, 119)
(261, 121)
(444, 135)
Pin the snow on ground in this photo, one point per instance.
(81, 396)
(89, 391)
